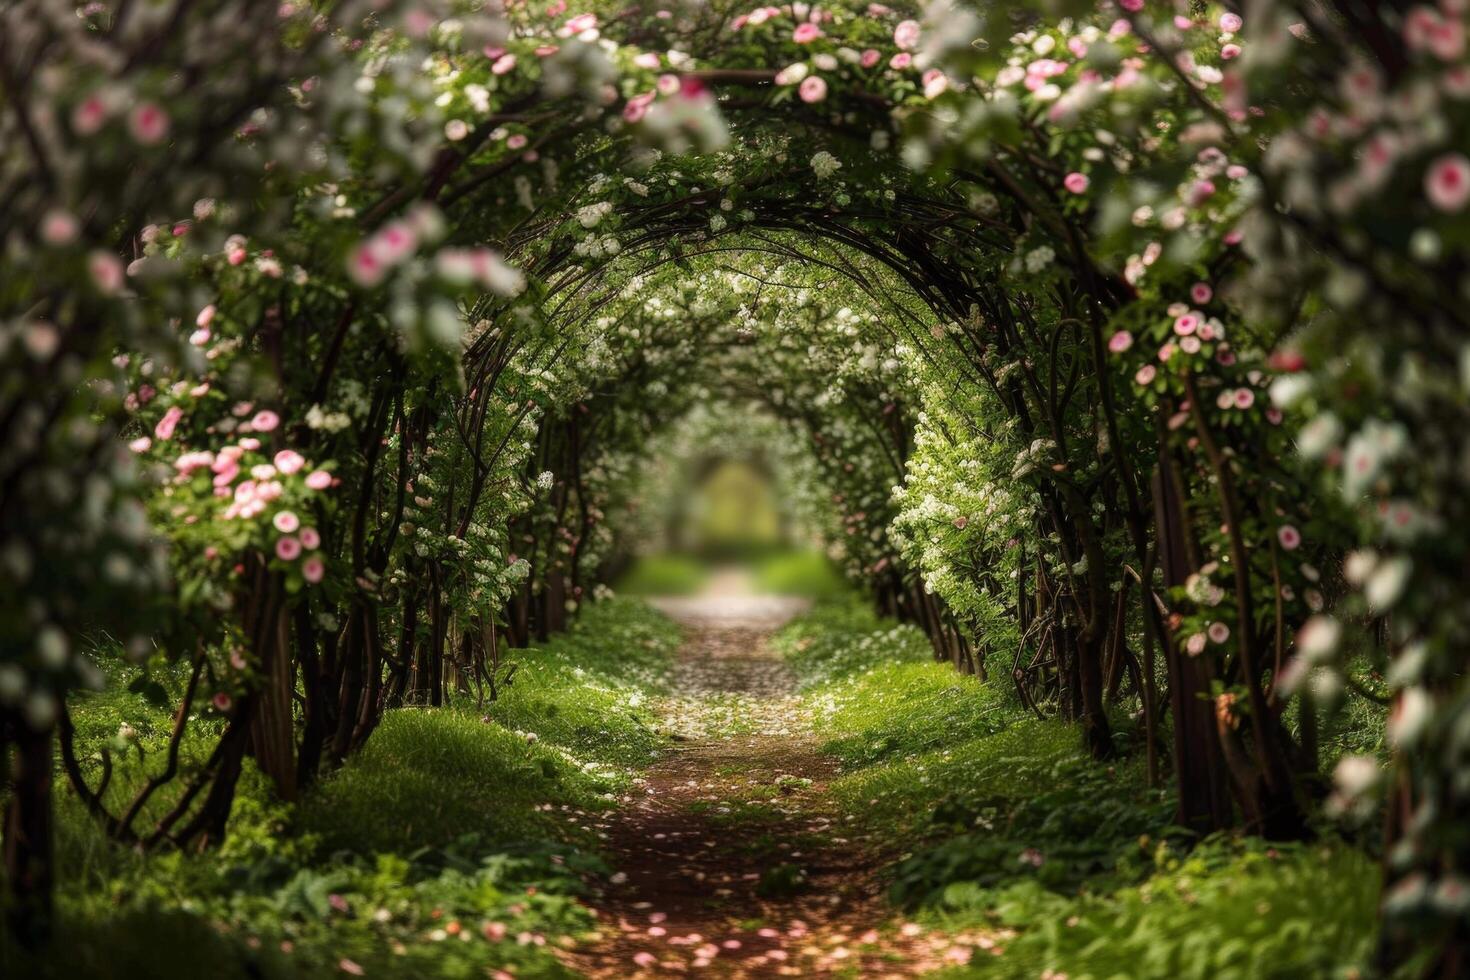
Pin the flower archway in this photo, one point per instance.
(1130, 359)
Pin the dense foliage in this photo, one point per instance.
(1125, 344)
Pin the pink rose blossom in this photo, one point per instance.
(164, 430)
(1230, 23)
(1201, 293)
(288, 549)
(1186, 324)
(806, 33)
(319, 480)
(1447, 183)
(106, 271)
(59, 228)
(311, 539)
(286, 521)
(1146, 374)
(288, 461)
(89, 115)
(148, 123)
(906, 35)
(1076, 182)
(813, 89)
(900, 61)
(1289, 537)
(1120, 341)
(1244, 398)
(222, 701)
(265, 421)
(870, 58)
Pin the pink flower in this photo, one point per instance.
(313, 569)
(205, 317)
(1201, 293)
(1447, 183)
(288, 549)
(164, 430)
(906, 35)
(141, 444)
(59, 228)
(1219, 632)
(1230, 23)
(310, 538)
(1229, 52)
(1244, 398)
(806, 33)
(1289, 537)
(1120, 341)
(265, 420)
(503, 65)
(106, 271)
(1185, 324)
(286, 521)
(1076, 182)
(870, 58)
(89, 115)
(222, 701)
(1146, 374)
(900, 61)
(813, 89)
(148, 123)
(1199, 192)
(365, 268)
(319, 480)
(288, 461)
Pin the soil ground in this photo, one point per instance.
(731, 862)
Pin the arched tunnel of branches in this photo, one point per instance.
(1115, 351)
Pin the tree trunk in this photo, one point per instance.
(29, 840)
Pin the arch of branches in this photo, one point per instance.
(1126, 345)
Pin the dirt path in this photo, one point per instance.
(730, 860)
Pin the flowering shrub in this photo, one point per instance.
(1121, 347)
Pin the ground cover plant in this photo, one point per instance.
(1115, 349)
(398, 865)
(995, 818)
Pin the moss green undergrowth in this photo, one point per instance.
(450, 847)
(801, 573)
(663, 575)
(998, 821)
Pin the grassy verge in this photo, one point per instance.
(1002, 827)
(450, 847)
(663, 575)
(800, 573)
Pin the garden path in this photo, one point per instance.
(730, 860)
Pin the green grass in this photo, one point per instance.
(451, 822)
(1234, 909)
(998, 821)
(801, 573)
(663, 575)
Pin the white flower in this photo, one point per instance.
(1386, 583)
(824, 165)
(1317, 640)
(1410, 717)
